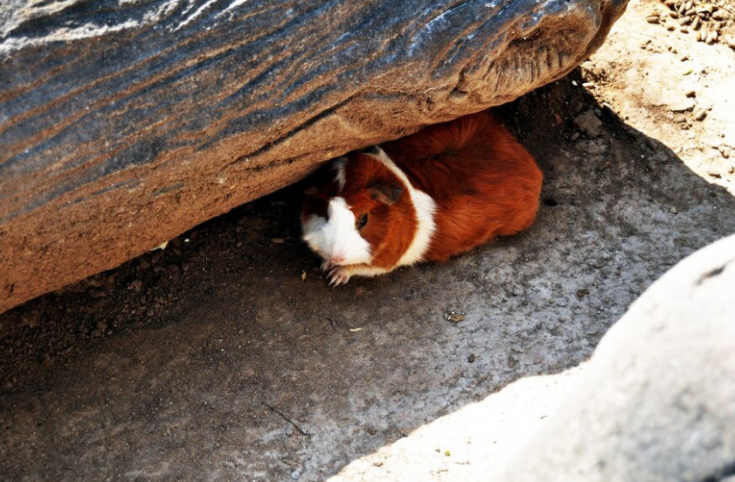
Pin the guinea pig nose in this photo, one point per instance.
(337, 258)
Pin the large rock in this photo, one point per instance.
(657, 400)
(124, 123)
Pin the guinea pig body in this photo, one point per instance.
(426, 197)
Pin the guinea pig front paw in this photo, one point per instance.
(338, 275)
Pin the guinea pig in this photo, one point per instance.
(426, 197)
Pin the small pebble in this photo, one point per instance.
(674, 211)
(454, 316)
(589, 123)
(682, 105)
(471, 358)
(720, 15)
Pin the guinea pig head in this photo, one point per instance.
(347, 219)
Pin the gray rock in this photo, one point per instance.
(682, 105)
(588, 123)
(657, 401)
(123, 124)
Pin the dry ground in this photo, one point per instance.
(226, 356)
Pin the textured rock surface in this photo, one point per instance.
(657, 400)
(122, 124)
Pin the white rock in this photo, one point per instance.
(657, 399)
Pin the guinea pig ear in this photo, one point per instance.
(385, 193)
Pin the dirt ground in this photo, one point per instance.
(226, 356)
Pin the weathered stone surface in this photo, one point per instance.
(122, 124)
(589, 123)
(657, 400)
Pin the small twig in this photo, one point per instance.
(287, 418)
(333, 323)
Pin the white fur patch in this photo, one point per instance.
(336, 237)
(311, 225)
(339, 172)
(425, 209)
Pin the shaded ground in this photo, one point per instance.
(175, 366)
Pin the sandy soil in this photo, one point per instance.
(226, 356)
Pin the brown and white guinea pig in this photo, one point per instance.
(426, 197)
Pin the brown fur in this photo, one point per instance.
(485, 184)
(390, 228)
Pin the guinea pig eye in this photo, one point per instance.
(363, 221)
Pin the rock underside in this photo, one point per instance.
(123, 124)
